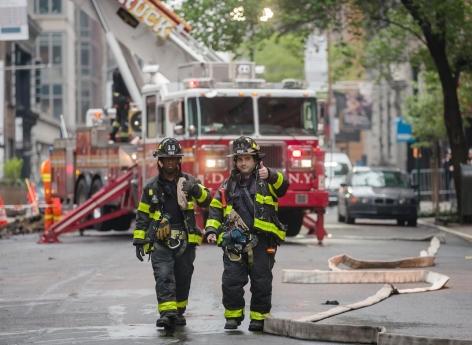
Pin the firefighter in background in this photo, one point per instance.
(243, 221)
(46, 178)
(166, 228)
(119, 130)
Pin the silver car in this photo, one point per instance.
(378, 193)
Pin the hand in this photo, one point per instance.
(190, 187)
(163, 231)
(263, 171)
(211, 238)
(139, 251)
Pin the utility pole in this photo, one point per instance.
(330, 103)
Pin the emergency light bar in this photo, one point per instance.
(204, 83)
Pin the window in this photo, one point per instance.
(51, 100)
(49, 47)
(48, 6)
(287, 116)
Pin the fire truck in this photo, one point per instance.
(199, 99)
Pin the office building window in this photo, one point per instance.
(49, 48)
(48, 6)
(52, 100)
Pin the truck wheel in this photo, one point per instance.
(81, 196)
(293, 218)
(412, 222)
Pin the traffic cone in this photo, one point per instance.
(3, 214)
(56, 209)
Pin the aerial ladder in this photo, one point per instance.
(135, 29)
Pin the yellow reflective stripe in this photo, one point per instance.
(280, 179)
(216, 203)
(232, 314)
(220, 238)
(227, 210)
(156, 215)
(204, 194)
(195, 239)
(165, 306)
(254, 315)
(139, 234)
(143, 207)
(269, 227)
(182, 304)
(57, 217)
(148, 248)
(46, 177)
(265, 199)
(213, 223)
(190, 205)
(48, 216)
(271, 190)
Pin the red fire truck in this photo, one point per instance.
(209, 105)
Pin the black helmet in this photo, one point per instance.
(246, 146)
(167, 148)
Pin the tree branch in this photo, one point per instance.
(401, 26)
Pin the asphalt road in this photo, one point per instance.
(92, 289)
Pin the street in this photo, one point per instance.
(93, 290)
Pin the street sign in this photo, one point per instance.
(404, 131)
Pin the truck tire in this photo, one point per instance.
(293, 218)
(81, 196)
(96, 186)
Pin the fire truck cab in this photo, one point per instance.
(213, 104)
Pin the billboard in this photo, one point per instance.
(13, 20)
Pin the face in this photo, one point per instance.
(245, 164)
(170, 166)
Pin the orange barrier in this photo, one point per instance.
(3, 213)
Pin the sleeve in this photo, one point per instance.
(143, 217)
(203, 197)
(215, 217)
(278, 183)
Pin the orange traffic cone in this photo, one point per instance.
(56, 209)
(3, 213)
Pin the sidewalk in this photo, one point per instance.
(462, 230)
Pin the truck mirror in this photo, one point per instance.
(192, 130)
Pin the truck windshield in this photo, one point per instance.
(226, 115)
(287, 116)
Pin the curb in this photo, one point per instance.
(445, 229)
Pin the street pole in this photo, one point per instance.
(330, 105)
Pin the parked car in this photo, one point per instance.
(337, 166)
(378, 193)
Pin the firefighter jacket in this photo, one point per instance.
(265, 210)
(152, 208)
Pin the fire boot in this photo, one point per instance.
(232, 323)
(256, 325)
(180, 320)
(165, 321)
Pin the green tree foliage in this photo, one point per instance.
(441, 28)
(12, 170)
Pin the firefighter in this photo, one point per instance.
(243, 221)
(166, 229)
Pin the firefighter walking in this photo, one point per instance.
(243, 221)
(166, 228)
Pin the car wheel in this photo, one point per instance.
(412, 222)
(400, 222)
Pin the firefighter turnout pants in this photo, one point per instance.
(236, 275)
(173, 275)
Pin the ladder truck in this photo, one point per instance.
(196, 97)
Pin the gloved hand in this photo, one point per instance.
(139, 251)
(191, 188)
(163, 230)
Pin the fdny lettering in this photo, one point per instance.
(150, 15)
(216, 178)
(300, 178)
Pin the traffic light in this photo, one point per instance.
(416, 152)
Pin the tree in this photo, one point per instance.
(444, 28)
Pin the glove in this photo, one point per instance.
(191, 188)
(163, 230)
(139, 251)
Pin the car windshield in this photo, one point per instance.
(226, 115)
(336, 169)
(393, 179)
(287, 116)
